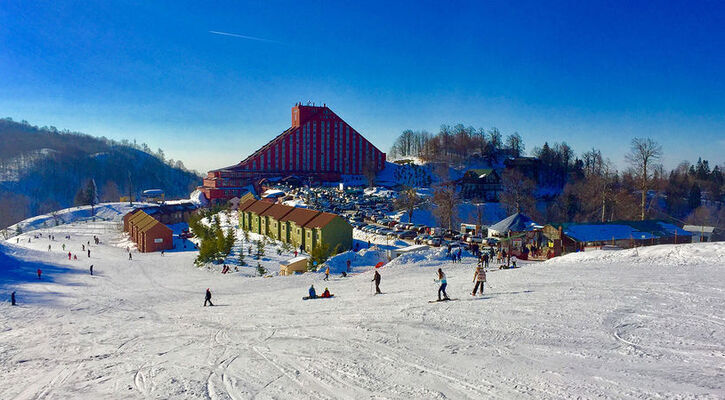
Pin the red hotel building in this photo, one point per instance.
(319, 146)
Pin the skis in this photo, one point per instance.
(318, 297)
(441, 300)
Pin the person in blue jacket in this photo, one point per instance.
(313, 294)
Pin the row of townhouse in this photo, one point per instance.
(300, 227)
(147, 232)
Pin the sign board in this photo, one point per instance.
(158, 240)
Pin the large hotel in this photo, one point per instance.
(319, 146)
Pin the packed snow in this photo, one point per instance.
(644, 323)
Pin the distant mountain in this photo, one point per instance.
(42, 169)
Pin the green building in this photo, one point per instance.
(270, 220)
(292, 225)
(328, 229)
(254, 213)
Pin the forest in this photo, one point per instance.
(43, 169)
(571, 187)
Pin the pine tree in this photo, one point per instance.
(261, 269)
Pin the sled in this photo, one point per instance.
(318, 297)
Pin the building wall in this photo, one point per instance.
(337, 232)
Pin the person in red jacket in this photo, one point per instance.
(39, 273)
(326, 293)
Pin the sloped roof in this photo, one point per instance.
(515, 223)
(277, 211)
(137, 217)
(300, 216)
(699, 228)
(481, 172)
(246, 204)
(259, 207)
(321, 220)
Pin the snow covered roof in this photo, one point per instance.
(294, 260)
(515, 223)
(600, 232)
(699, 228)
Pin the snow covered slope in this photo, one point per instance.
(607, 326)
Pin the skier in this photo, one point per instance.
(39, 273)
(89, 253)
(162, 253)
(327, 274)
(207, 298)
(63, 246)
(69, 256)
(83, 247)
(91, 269)
(376, 278)
(75, 257)
(12, 298)
(480, 278)
(129, 256)
(295, 253)
(48, 247)
(313, 294)
(444, 283)
(348, 265)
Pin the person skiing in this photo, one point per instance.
(89, 253)
(376, 278)
(162, 253)
(91, 269)
(39, 273)
(326, 294)
(348, 265)
(75, 257)
(69, 256)
(312, 293)
(327, 274)
(207, 298)
(480, 278)
(129, 256)
(63, 246)
(83, 247)
(444, 283)
(12, 298)
(48, 247)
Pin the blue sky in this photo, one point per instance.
(591, 74)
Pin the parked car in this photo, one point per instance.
(434, 241)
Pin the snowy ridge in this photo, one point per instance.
(673, 255)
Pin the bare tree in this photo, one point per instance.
(446, 200)
(644, 153)
(518, 191)
(407, 201)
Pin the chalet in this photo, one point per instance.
(480, 184)
(270, 218)
(620, 234)
(148, 233)
(292, 225)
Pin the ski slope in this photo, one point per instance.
(590, 325)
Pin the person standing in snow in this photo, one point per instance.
(376, 278)
(83, 247)
(327, 274)
(89, 253)
(129, 256)
(63, 246)
(12, 298)
(91, 269)
(444, 283)
(480, 278)
(39, 273)
(207, 298)
(48, 247)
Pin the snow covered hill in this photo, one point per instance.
(589, 325)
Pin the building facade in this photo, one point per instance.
(319, 146)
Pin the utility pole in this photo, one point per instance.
(130, 189)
